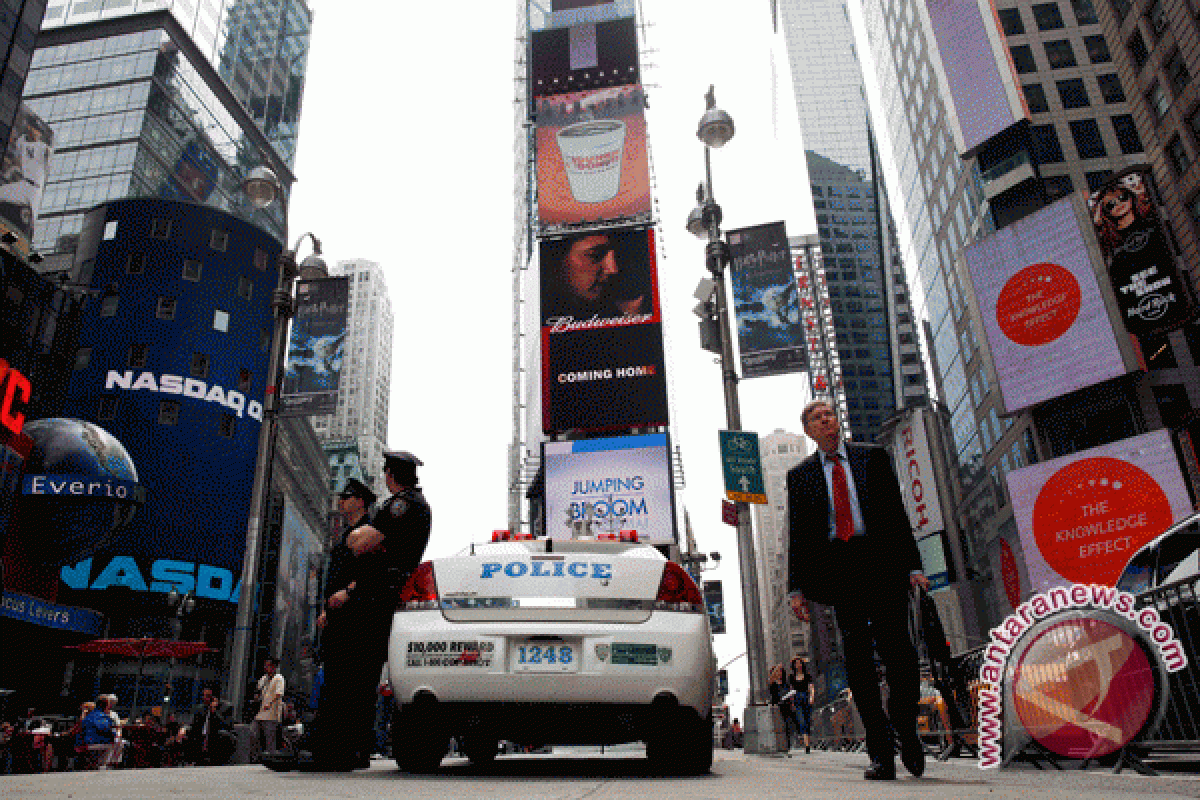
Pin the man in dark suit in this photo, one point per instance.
(852, 548)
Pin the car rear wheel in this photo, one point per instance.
(418, 740)
(682, 745)
(480, 750)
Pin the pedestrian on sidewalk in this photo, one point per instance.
(852, 548)
(267, 721)
(806, 692)
(782, 695)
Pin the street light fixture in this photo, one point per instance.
(262, 188)
(762, 720)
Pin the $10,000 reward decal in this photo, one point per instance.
(443, 653)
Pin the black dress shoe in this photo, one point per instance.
(912, 754)
(878, 771)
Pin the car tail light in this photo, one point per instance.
(420, 593)
(606, 537)
(522, 537)
(629, 536)
(501, 536)
(677, 591)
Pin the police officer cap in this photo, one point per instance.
(401, 455)
(356, 488)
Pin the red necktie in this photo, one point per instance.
(843, 517)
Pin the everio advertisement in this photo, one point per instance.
(1082, 516)
(592, 163)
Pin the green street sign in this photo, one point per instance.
(742, 467)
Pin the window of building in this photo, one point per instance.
(1156, 14)
(1110, 88)
(1059, 54)
(108, 305)
(220, 320)
(137, 355)
(1022, 57)
(1073, 93)
(1047, 16)
(1085, 12)
(200, 363)
(1097, 49)
(1178, 154)
(165, 308)
(168, 412)
(1121, 8)
(136, 265)
(1127, 135)
(108, 408)
(260, 259)
(83, 357)
(244, 380)
(1158, 99)
(1098, 178)
(160, 229)
(218, 240)
(245, 287)
(1137, 49)
(1194, 209)
(226, 425)
(1010, 20)
(1046, 146)
(1177, 71)
(1086, 134)
(264, 340)
(1035, 97)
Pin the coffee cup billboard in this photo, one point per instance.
(591, 157)
(1081, 517)
(1042, 309)
(1141, 263)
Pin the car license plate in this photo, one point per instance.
(527, 655)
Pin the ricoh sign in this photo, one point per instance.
(914, 468)
(187, 387)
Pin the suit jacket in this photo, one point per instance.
(813, 566)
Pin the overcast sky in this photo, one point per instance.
(406, 158)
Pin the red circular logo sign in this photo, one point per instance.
(1008, 571)
(1083, 688)
(1093, 514)
(1038, 304)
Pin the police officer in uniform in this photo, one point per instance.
(358, 616)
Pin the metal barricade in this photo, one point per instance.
(1178, 604)
(837, 725)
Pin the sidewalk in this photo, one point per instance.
(839, 775)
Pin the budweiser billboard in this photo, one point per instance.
(1082, 516)
(914, 468)
(1149, 290)
(1042, 307)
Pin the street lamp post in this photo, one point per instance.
(762, 720)
(181, 605)
(262, 187)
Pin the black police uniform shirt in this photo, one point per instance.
(342, 563)
(405, 521)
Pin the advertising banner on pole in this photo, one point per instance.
(770, 333)
(609, 485)
(1082, 516)
(602, 352)
(592, 164)
(913, 460)
(1141, 264)
(714, 601)
(1043, 312)
(24, 176)
(316, 347)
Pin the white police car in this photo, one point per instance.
(542, 642)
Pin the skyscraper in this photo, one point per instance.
(19, 24)
(167, 98)
(365, 391)
(877, 344)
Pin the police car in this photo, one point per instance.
(543, 642)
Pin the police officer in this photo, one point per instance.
(358, 618)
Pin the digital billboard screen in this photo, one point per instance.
(566, 13)
(602, 352)
(592, 160)
(610, 485)
(766, 302)
(1145, 277)
(24, 176)
(1082, 516)
(1042, 309)
(978, 69)
(584, 56)
(317, 347)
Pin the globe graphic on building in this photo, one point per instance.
(65, 529)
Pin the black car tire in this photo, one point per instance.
(418, 741)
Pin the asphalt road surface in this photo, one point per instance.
(585, 774)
